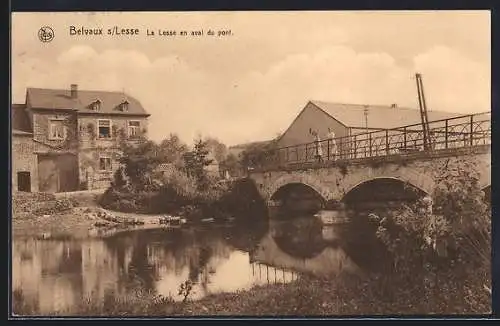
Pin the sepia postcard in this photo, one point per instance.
(280, 163)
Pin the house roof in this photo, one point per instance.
(19, 119)
(379, 116)
(60, 99)
(246, 145)
(237, 149)
(17, 132)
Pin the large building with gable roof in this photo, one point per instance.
(350, 119)
(66, 139)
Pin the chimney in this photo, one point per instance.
(74, 90)
(394, 105)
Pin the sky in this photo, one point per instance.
(251, 84)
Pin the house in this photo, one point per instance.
(24, 163)
(67, 139)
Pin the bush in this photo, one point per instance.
(113, 199)
(435, 241)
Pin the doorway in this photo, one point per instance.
(23, 181)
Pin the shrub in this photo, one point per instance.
(177, 185)
(435, 242)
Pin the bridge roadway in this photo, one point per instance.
(395, 154)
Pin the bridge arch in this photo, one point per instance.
(408, 176)
(394, 189)
(306, 180)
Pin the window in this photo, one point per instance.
(133, 128)
(104, 128)
(104, 163)
(96, 106)
(57, 130)
(123, 106)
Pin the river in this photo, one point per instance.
(56, 275)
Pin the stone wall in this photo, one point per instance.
(24, 160)
(334, 182)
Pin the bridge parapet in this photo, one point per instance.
(449, 135)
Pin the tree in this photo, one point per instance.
(256, 155)
(232, 164)
(195, 162)
(218, 149)
(171, 150)
(139, 160)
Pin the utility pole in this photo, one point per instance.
(423, 112)
(365, 111)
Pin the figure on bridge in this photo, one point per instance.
(317, 143)
(332, 145)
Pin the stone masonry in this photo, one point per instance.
(335, 181)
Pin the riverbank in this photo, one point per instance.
(343, 296)
(71, 215)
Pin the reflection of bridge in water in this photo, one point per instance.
(325, 256)
(273, 275)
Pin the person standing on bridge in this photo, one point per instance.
(332, 144)
(319, 150)
(317, 144)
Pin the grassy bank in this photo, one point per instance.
(345, 295)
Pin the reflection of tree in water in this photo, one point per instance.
(198, 265)
(362, 244)
(173, 249)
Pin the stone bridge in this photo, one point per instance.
(333, 180)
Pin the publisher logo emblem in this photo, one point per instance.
(46, 34)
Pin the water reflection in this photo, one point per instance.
(305, 245)
(57, 275)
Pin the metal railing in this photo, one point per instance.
(458, 132)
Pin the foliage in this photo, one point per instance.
(232, 164)
(343, 166)
(179, 188)
(259, 154)
(218, 149)
(196, 161)
(433, 241)
(139, 161)
(172, 149)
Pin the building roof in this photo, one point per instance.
(246, 145)
(19, 119)
(60, 99)
(237, 149)
(379, 116)
(17, 132)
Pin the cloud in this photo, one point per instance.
(453, 81)
(189, 99)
